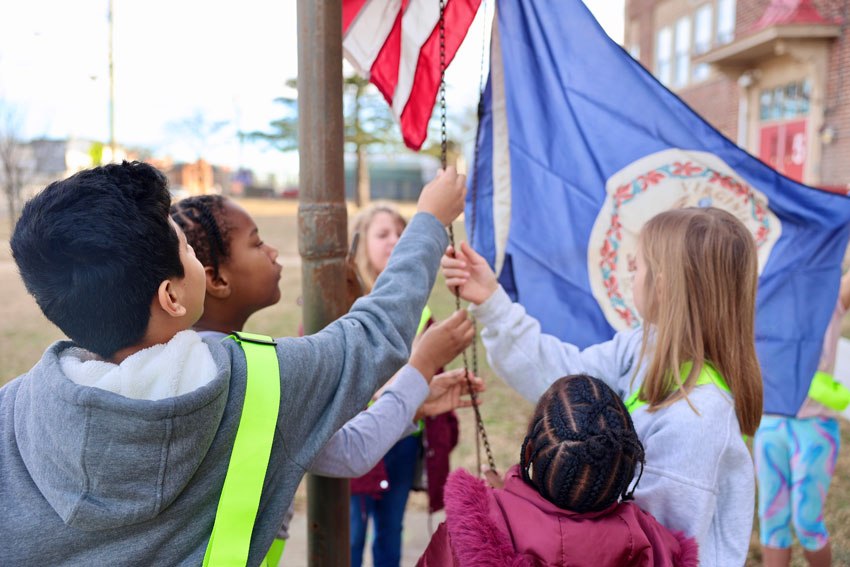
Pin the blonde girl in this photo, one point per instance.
(383, 492)
(380, 227)
(689, 375)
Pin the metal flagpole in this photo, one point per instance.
(322, 240)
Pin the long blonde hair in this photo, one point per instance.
(360, 223)
(700, 293)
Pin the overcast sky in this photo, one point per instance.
(227, 60)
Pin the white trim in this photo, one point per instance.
(367, 34)
(417, 24)
(501, 152)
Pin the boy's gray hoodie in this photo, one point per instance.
(90, 477)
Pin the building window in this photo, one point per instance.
(703, 29)
(805, 96)
(784, 102)
(663, 55)
(683, 51)
(725, 21)
(766, 103)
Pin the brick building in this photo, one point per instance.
(772, 75)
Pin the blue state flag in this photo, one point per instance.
(579, 146)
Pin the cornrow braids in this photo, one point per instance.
(581, 450)
(202, 220)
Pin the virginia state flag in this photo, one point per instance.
(580, 145)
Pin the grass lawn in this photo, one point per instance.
(24, 334)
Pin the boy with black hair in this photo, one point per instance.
(115, 446)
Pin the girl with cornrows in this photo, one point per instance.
(689, 375)
(567, 503)
(242, 277)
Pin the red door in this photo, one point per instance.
(784, 147)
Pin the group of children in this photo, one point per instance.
(116, 445)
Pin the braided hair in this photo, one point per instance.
(581, 447)
(202, 220)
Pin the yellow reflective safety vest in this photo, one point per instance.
(827, 391)
(707, 375)
(426, 315)
(230, 539)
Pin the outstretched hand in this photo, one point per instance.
(441, 343)
(444, 196)
(468, 272)
(447, 393)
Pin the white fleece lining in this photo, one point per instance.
(177, 367)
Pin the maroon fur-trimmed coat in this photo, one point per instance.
(516, 527)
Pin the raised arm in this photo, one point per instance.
(844, 291)
(519, 352)
(327, 378)
(366, 438)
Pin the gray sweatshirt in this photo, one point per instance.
(699, 475)
(357, 447)
(91, 477)
(364, 439)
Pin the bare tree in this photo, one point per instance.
(196, 130)
(12, 157)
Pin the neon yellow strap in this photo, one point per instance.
(240, 496)
(825, 390)
(708, 375)
(426, 314)
(421, 428)
(275, 553)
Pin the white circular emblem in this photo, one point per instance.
(670, 179)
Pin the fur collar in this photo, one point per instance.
(476, 540)
(177, 367)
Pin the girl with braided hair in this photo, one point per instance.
(689, 374)
(242, 276)
(567, 503)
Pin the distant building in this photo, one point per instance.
(398, 178)
(46, 161)
(195, 178)
(772, 75)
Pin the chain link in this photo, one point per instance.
(443, 135)
(481, 433)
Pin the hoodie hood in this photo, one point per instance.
(177, 367)
(125, 460)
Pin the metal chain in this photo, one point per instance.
(481, 433)
(443, 135)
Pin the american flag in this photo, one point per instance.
(396, 45)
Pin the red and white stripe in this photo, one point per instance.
(396, 44)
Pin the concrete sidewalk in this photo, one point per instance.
(416, 537)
